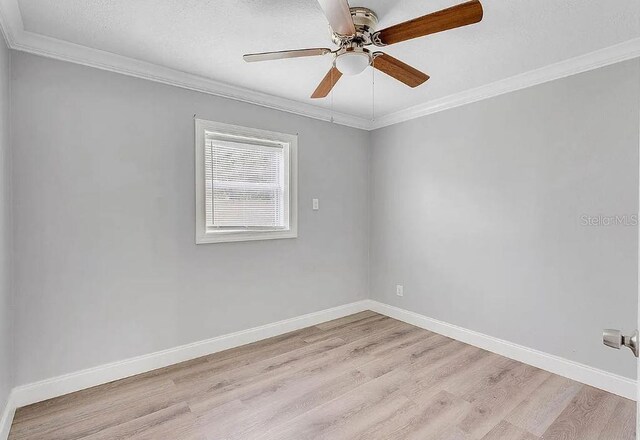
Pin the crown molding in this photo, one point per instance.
(17, 38)
(10, 20)
(62, 50)
(572, 66)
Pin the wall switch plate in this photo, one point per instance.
(316, 205)
(399, 290)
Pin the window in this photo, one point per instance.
(245, 183)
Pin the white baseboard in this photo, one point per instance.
(58, 386)
(610, 382)
(7, 417)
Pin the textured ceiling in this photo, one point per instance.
(208, 38)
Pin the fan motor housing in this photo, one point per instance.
(364, 19)
(365, 22)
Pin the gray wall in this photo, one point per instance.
(477, 212)
(106, 265)
(6, 318)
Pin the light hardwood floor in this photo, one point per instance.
(365, 376)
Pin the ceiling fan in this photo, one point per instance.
(354, 28)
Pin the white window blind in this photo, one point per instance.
(246, 183)
(245, 186)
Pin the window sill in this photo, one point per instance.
(227, 237)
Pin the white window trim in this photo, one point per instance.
(202, 236)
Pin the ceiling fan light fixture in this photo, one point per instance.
(353, 62)
(352, 29)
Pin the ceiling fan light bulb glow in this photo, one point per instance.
(353, 63)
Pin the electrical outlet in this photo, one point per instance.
(399, 290)
(316, 205)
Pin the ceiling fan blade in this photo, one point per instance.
(450, 18)
(266, 56)
(339, 16)
(398, 70)
(327, 83)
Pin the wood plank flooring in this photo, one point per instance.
(365, 376)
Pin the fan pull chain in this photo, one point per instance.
(373, 91)
(333, 65)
